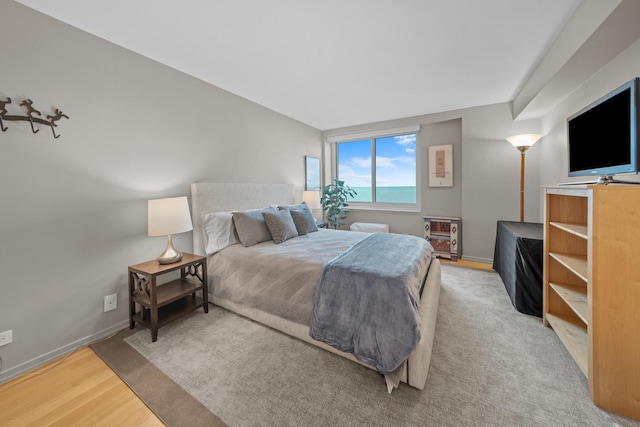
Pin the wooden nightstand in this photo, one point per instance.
(163, 304)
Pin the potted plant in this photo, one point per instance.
(334, 202)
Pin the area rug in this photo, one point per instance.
(168, 401)
(491, 365)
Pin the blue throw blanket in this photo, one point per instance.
(366, 299)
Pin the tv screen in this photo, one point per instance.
(602, 138)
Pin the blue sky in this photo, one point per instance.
(395, 160)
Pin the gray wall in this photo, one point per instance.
(486, 183)
(74, 209)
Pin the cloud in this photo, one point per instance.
(408, 142)
(405, 140)
(362, 162)
(352, 178)
(385, 162)
(397, 167)
(391, 162)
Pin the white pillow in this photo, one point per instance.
(218, 231)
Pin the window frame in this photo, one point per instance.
(373, 136)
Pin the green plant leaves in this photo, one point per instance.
(334, 202)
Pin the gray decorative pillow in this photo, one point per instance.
(280, 225)
(251, 227)
(304, 221)
(297, 207)
(308, 225)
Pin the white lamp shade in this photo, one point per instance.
(525, 140)
(312, 199)
(169, 216)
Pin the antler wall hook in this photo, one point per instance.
(3, 111)
(58, 115)
(28, 104)
(30, 111)
(53, 119)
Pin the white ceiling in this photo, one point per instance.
(336, 63)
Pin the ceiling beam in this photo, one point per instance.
(606, 28)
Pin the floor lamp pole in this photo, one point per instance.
(522, 183)
(522, 143)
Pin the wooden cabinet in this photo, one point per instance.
(591, 292)
(161, 304)
(443, 234)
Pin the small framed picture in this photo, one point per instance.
(312, 173)
(441, 165)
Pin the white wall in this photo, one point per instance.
(74, 209)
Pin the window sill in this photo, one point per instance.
(394, 209)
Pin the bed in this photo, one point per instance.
(249, 281)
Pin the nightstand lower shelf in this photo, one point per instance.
(169, 292)
(170, 312)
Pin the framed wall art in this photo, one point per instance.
(441, 165)
(312, 173)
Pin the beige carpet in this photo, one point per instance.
(491, 366)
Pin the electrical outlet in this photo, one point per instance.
(110, 302)
(6, 337)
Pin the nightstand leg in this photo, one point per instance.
(132, 305)
(154, 310)
(205, 287)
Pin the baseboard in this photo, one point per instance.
(477, 259)
(24, 367)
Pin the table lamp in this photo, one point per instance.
(167, 217)
(312, 199)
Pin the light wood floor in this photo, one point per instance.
(465, 263)
(81, 390)
(76, 390)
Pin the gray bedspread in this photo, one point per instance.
(366, 299)
(277, 279)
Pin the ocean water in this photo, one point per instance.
(386, 194)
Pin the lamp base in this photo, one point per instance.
(170, 254)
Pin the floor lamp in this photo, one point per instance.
(522, 143)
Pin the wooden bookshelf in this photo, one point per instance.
(591, 290)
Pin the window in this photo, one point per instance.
(381, 170)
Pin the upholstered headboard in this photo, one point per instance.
(207, 197)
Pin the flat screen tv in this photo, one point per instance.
(602, 138)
